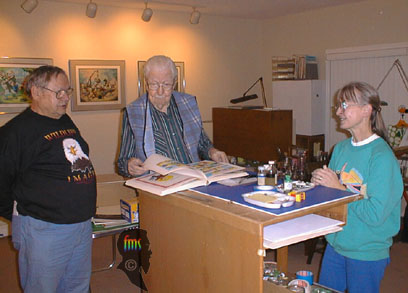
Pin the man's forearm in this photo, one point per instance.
(204, 146)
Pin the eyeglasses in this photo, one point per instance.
(343, 105)
(60, 93)
(155, 86)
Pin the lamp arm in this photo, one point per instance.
(252, 86)
(263, 92)
(401, 72)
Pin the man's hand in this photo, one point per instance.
(135, 167)
(217, 155)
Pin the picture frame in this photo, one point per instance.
(180, 83)
(97, 84)
(13, 72)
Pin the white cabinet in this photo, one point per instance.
(307, 100)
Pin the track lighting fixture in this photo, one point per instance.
(29, 5)
(91, 9)
(147, 13)
(195, 16)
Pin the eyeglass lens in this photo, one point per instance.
(343, 105)
(60, 94)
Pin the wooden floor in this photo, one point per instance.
(115, 280)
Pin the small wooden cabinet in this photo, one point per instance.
(252, 134)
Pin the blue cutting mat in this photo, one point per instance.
(315, 196)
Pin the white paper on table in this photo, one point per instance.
(299, 229)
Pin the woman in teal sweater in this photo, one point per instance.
(356, 257)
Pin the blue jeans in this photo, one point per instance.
(53, 257)
(341, 273)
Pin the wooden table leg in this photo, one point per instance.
(282, 259)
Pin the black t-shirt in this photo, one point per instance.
(45, 167)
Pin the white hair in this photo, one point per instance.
(160, 61)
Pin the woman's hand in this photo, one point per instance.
(326, 177)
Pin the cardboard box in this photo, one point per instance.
(129, 209)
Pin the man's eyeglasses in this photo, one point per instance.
(61, 93)
(155, 86)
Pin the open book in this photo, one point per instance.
(170, 176)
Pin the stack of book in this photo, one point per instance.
(100, 225)
(295, 67)
(283, 68)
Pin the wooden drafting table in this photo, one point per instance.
(205, 244)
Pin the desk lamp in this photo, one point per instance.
(245, 98)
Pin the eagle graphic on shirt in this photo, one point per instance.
(75, 155)
(353, 180)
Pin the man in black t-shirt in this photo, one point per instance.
(46, 172)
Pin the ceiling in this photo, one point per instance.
(250, 9)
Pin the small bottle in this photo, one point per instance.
(261, 175)
(287, 184)
(302, 168)
(272, 175)
(294, 169)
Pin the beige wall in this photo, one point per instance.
(360, 24)
(221, 56)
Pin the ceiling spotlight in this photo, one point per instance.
(91, 9)
(147, 13)
(29, 5)
(195, 16)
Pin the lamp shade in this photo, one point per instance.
(147, 14)
(29, 5)
(91, 9)
(195, 17)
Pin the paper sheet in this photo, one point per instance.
(299, 229)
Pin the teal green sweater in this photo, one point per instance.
(373, 171)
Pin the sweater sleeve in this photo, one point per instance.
(384, 190)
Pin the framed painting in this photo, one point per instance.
(180, 82)
(13, 72)
(98, 84)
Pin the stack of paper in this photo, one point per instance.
(299, 229)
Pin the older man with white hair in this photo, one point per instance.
(163, 121)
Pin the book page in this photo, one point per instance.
(164, 165)
(215, 171)
(164, 184)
